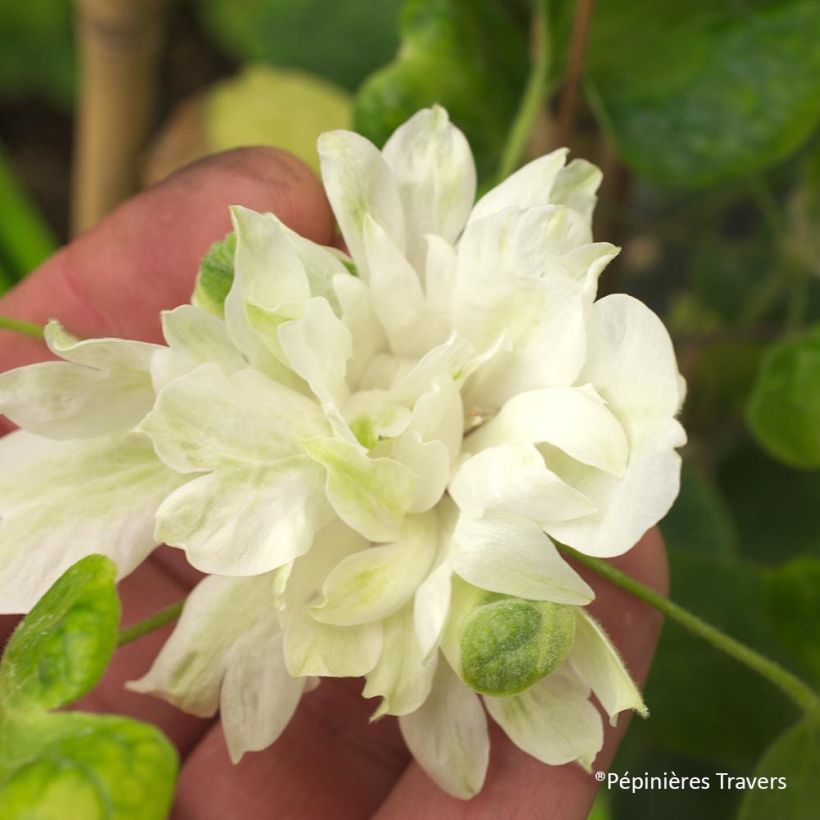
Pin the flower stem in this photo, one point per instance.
(533, 97)
(802, 694)
(151, 623)
(22, 326)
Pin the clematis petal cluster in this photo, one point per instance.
(372, 455)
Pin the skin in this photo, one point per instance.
(330, 762)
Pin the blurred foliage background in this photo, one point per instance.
(704, 116)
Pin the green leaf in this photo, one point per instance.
(794, 605)
(71, 764)
(794, 757)
(703, 703)
(696, 92)
(62, 647)
(774, 507)
(467, 55)
(83, 766)
(341, 41)
(215, 276)
(784, 408)
(699, 521)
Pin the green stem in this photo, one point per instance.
(22, 326)
(802, 694)
(531, 101)
(151, 623)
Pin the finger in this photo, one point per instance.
(518, 786)
(115, 279)
(329, 762)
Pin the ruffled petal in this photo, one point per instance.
(248, 520)
(403, 676)
(552, 720)
(434, 169)
(448, 735)
(60, 501)
(376, 582)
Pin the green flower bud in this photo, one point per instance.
(506, 644)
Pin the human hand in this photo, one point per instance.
(329, 762)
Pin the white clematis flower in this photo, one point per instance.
(372, 456)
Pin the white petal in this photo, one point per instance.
(403, 676)
(574, 419)
(258, 696)
(512, 556)
(631, 362)
(433, 166)
(65, 401)
(576, 186)
(106, 354)
(628, 506)
(312, 648)
(372, 495)
(226, 652)
(247, 520)
(317, 347)
(597, 662)
(528, 186)
(206, 420)
(438, 415)
(448, 735)
(429, 461)
(553, 720)
(358, 183)
(376, 582)
(60, 501)
(431, 605)
(512, 478)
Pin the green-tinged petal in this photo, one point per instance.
(60, 501)
(207, 419)
(247, 520)
(429, 461)
(433, 167)
(598, 664)
(194, 337)
(574, 419)
(267, 272)
(528, 186)
(448, 735)
(403, 676)
(512, 478)
(553, 720)
(65, 401)
(511, 555)
(438, 415)
(312, 648)
(371, 495)
(106, 354)
(226, 653)
(317, 347)
(374, 583)
(628, 506)
(359, 183)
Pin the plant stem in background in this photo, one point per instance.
(22, 326)
(533, 97)
(575, 69)
(151, 623)
(25, 239)
(790, 684)
(119, 45)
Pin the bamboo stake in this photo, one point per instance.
(119, 45)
